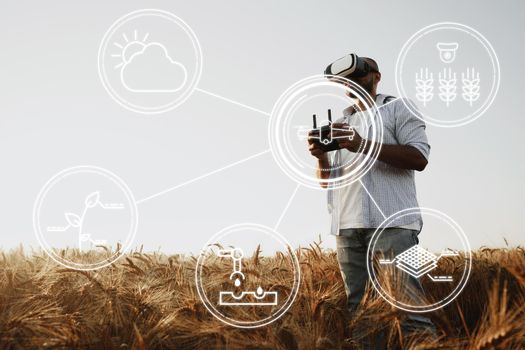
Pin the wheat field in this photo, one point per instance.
(149, 301)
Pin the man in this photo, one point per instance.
(388, 187)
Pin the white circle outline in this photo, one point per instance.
(72, 171)
(492, 55)
(274, 132)
(248, 324)
(459, 287)
(127, 104)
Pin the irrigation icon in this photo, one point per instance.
(231, 277)
(76, 221)
(417, 262)
(244, 298)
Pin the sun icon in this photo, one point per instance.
(129, 48)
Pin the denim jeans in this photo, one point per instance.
(352, 247)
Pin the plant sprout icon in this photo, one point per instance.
(417, 261)
(77, 221)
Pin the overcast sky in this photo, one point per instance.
(55, 114)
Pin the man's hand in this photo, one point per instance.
(314, 148)
(351, 141)
(399, 156)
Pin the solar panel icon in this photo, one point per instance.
(417, 262)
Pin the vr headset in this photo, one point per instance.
(350, 66)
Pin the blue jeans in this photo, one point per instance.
(352, 247)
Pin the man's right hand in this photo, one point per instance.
(314, 148)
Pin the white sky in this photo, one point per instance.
(56, 114)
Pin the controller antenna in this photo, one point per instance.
(330, 116)
(315, 122)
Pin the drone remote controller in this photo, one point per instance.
(323, 135)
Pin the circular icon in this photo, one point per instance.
(402, 271)
(309, 111)
(247, 275)
(85, 218)
(150, 61)
(450, 74)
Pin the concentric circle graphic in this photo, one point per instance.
(150, 61)
(85, 218)
(231, 280)
(449, 74)
(419, 262)
(291, 119)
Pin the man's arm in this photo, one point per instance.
(399, 156)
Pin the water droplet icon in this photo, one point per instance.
(237, 282)
(259, 291)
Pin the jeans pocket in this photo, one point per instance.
(415, 238)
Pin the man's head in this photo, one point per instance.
(370, 81)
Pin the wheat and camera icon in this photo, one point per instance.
(447, 80)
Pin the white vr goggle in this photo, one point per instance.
(349, 66)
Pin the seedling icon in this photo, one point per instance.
(77, 221)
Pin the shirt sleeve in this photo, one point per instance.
(410, 128)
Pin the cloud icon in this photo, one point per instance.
(151, 69)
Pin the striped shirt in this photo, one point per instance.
(386, 189)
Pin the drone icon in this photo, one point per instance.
(324, 134)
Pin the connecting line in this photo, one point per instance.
(389, 102)
(286, 207)
(202, 177)
(372, 198)
(234, 102)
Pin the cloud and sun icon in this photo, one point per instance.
(148, 67)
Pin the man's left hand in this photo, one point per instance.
(352, 142)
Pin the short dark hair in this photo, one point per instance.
(372, 63)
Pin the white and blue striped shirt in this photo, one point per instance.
(387, 189)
